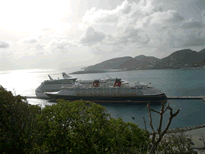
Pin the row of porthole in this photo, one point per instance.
(107, 94)
(48, 91)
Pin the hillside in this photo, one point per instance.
(181, 58)
(142, 59)
(123, 62)
(177, 59)
(202, 51)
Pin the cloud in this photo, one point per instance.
(187, 38)
(4, 44)
(32, 39)
(145, 29)
(166, 17)
(203, 13)
(39, 47)
(45, 29)
(91, 37)
(192, 40)
(106, 16)
(192, 23)
(138, 23)
(62, 45)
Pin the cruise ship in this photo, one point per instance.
(55, 85)
(117, 93)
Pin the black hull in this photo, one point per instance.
(117, 99)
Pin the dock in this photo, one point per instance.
(186, 97)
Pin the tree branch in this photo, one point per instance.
(155, 143)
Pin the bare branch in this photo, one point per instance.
(170, 119)
(144, 123)
(155, 143)
(167, 107)
(151, 121)
(153, 110)
(161, 118)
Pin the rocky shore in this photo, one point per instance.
(184, 129)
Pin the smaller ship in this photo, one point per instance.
(133, 117)
(52, 85)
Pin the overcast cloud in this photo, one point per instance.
(3, 44)
(88, 32)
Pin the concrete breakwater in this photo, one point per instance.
(185, 97)
(184, 129)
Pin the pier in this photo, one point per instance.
(186, 97)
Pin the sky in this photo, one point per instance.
(66, 33)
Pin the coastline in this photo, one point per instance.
(84, 72)
(185, 129)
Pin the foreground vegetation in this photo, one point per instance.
(78, 127)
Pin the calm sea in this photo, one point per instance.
(174, 82)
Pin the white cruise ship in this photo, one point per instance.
(55, 85)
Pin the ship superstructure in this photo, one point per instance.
(53, 86)
(119, 92)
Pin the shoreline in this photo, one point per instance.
(182, 129)
(139, 70)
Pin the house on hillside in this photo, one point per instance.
(199, 64)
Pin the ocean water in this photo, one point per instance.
(174, 82)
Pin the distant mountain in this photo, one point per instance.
(123, 62)
(184, 56)
(177, 59)
(114, 63)
(202, 51)
(143, 58)
(140, 57)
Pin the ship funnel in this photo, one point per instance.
(50, 77)
(65, 76)
(117, 83)
(96, 83)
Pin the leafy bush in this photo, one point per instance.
(85, 127)
(71, 127)
(17, 122)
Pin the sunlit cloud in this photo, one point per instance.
(106, 16)
(32, 39)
